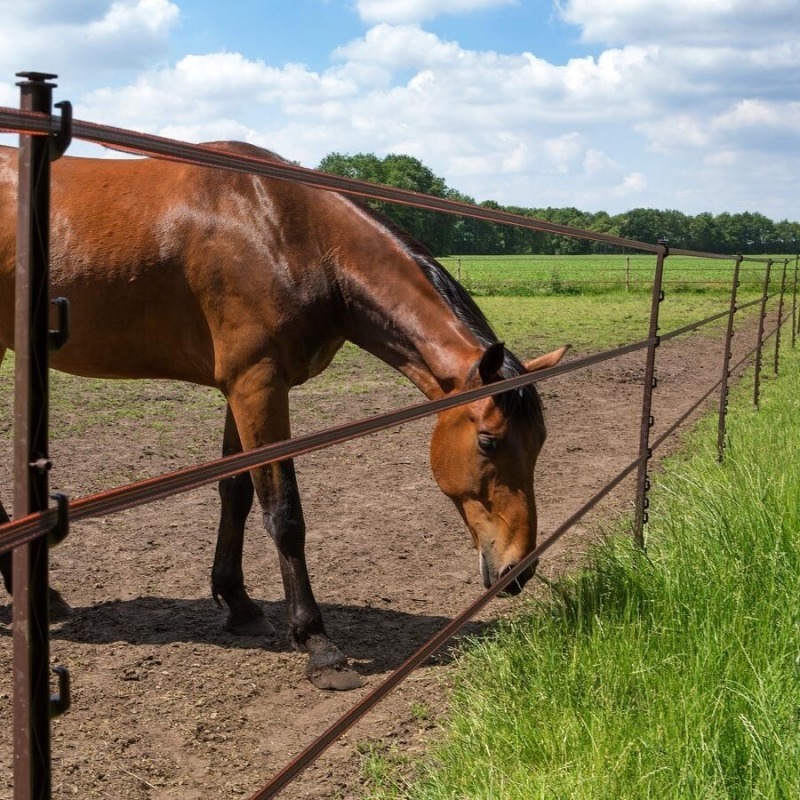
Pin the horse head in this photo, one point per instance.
(483, 456)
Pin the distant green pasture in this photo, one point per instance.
(547, 274)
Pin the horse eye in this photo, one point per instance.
(487, 444)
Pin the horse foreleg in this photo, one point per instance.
(327, 666)
(276, 486)
(5, 558)
(227, 576)
(59, 608)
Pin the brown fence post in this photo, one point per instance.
(760, 342)
(33, 706)
(726, 362)
(780, 315)
(642, 480)
(794, 302)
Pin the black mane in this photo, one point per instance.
(524, 401)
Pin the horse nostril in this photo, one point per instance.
(506, 569)
(515, 586)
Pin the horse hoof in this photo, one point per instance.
(60, 609)
(340, 679)
(253, 626)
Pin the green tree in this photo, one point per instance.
(704, 233)
(434, 230)
(747, 232)
(642, 224)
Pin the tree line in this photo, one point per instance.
(444, 234)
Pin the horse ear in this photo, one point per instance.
(491, 362)
(547, 360)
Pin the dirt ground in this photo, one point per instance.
(166, 704)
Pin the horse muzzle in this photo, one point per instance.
(490, 576)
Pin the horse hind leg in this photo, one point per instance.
(59, 608)
(227, 577)
(5, 558)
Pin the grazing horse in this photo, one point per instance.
(251, 285)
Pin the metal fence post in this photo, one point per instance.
(760, 342)
(794, 302)
(726, 362)
(32, 702)
(780, 316)
(643, 480)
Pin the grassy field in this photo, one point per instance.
(558, 275)
(670, 674)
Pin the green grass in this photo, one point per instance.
(675, 674)
(598, 274)
(594, 322)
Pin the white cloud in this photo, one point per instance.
(402, 11)
(751, 113)
(202, 90)
(677, 131)
(563, 151)
(747, 124)
(632, 184)
(397, 47)
(706, 24)
(596, 162)
(85, 38)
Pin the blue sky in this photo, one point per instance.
(599, 104)
(308, 31)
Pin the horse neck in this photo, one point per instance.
(398, 315)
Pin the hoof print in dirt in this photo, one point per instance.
(340, 679)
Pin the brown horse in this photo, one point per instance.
(251, 285)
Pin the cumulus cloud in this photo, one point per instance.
(632, 184)
(706, 24)
(199, 91)
(563, 151)
(92, 37)
(751, 113)
(596, 162)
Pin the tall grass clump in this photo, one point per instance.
(670, 674)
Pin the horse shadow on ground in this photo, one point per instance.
(378, 639)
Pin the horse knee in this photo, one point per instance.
(287, 531)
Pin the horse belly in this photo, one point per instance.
(130, 332)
